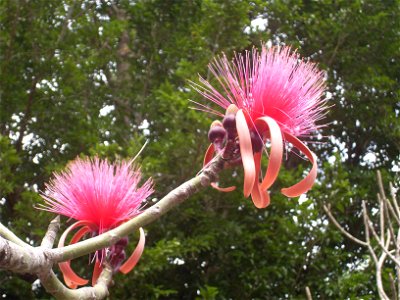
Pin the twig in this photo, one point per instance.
(51, 234)
(382, 217)
(397, 254)
(389, 221)
(53, 285)
(380, 243)
(342, 230)
(379, 267)
(393, 194)
(367, 235)
(392, 286)
(378, 262)
(9, 235)
(380, 184)
(308, 293)
(394, 214)
(389, 215)
(99, 291)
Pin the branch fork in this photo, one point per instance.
(20, 257)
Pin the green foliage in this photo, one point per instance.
(8, 160)
(207, 293)
(102, 77)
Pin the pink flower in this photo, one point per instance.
(271, 95)
(100, 196)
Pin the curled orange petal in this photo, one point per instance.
(305, 184)
(207, 158)
(267, 125)
(260, 197)
(137, 253)
(79, 234)
(209, 155)
(246, 152)
(96, 271)
(222, 189)
(72, 280)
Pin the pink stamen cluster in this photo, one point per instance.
(100, 196)
(273, 95)
(275, 83)
(98, 192)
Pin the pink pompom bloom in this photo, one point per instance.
(271, 95)
(101, 196)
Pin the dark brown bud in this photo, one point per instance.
(122, 242)
(229, 122)
(116, 260)
(256, 141)
(216, 133)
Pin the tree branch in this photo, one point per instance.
(342, 230)
(51, 234)
(99, 291)
(379, 267)
(308, 293)
(171, 200)
(9, 235)
(389, 216)
(21, 259)
(17, 256)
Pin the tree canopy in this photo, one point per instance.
(102, 77)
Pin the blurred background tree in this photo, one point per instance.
(101, 77)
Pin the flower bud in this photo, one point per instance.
(256, 141)
(122, 242)
(229, 122)
(217, 132)
(116, 260)
(216, 123)
(232, 110)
